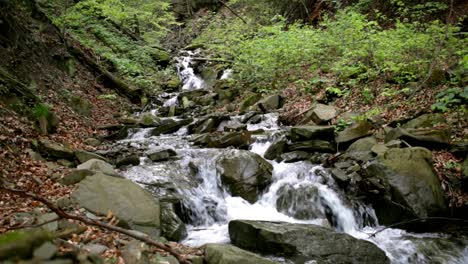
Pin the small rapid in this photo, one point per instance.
(312, 194)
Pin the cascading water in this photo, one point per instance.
(316, 198)
(186, 72)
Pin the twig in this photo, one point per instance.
(232, 11)
(91, 222)
(418, 220)
(34, 226)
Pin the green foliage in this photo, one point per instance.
(41, 110)
(107, 97)
(342, 125)
(451, 98)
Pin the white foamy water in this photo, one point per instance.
(186, 73)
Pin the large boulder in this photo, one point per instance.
(427, 120)
(363, 144)
(245, 173)
(413, 184)
(228, 254)
(432, 138)
(97, 165)
(126, 200)
(276, 148)
(301, 133)
(172, 227)
(271, 103)
(302, 242)
(84, 156)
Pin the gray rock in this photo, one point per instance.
(135, 252)
(313, 146)
(356, 131)
(168, 126)
(95, 249)
(301, 133)
(431, 138)
(413, 183)
(249, 101)
(92, 142)
(96, 165)
(363, 144)
(294, 156)
(271, 103)
(426, 120)
(84, 156)
(207, 124)
(52, 226)
(125, 199)
(172, 227)
(302, 242)
(320, 114)
(276, 148)
(169, 259)
(228, 254)
(240, 139)
(379, 149)
(23, 244)
(301, 203)
(132, 159)
(54, 150)
(161, 155)
(245, 173)
(45, 251)
(75, 176)
(340, 176)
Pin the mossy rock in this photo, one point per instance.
(81, 106)
(21, 244)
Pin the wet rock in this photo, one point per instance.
(313, 146)
(340, 176)
(302, 133)
(248, 116)
(276, 148)
(208, 124)
(172, 227)
(255, 119)
(161, 155)
(97, 165)
(363, 144)
(125, 199)
(270, 103)
(235, 128)
(301, 242)
(412, 181)
(148, 120)
(294, 156)
(356, 131)
(54, 150)
(135, 252)
(431, 138)
(320, 114)
(228, 254)
(427, 120)
(301, 203)
(132, 159)
(84, 156)
(245, 173)
(168, 126)
(240, 140)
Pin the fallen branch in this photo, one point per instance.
(61, 213)
(212, 59)
(418, 220)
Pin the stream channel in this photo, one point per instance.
(195, 179)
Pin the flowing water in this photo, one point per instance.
(212, 207)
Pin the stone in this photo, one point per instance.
(97, 165)
(301, 202)
(413, 184)
(52, 226)
(249, 101)
(270, 103)
(54, 150)
(135, 252)
(168, 126)
(244, 173)
(126, 200)
(229, 254)
(172, 227)
(95, 249)
(148, 120)
(431, 138)
(302, 133)
(75, 176)
(340, 176)
(241, 139)
(320, 114)
(161, 155)
(363, 144)
(426, 120)
(45, 251)
(379, 149)
(169, 259)
(34, 155)
(294, 156)
(248, 116)
(66, 163)
(302, 242)
(235, 128)
(21, 244)
(132, 159)
(92, 142)
(276, 148)
(84, 156)
(350, 134)
(313, 146)
(208, 124)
